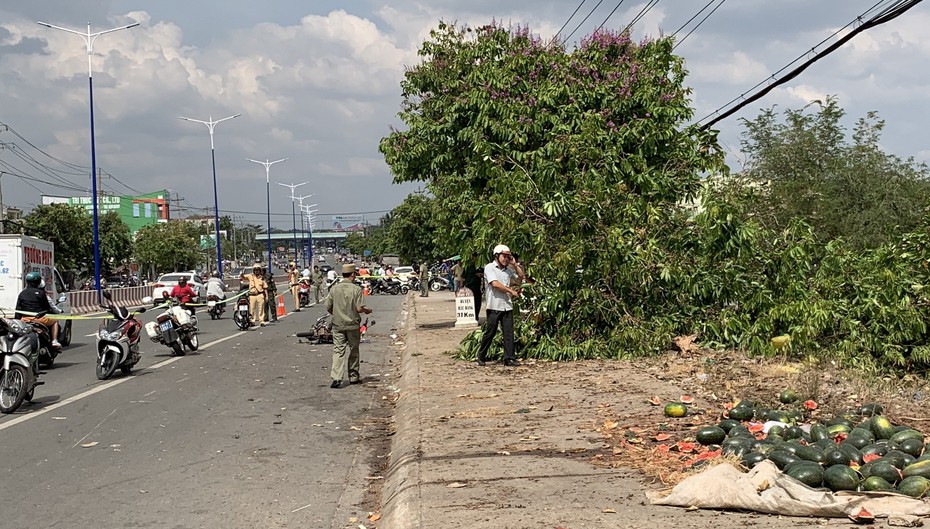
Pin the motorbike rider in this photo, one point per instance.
(184, 294)
(215, 287)
(34, 299)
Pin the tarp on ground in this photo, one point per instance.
(765, 489)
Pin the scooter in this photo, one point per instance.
(215, 307)
(303, 293)
(118, 340)
(176, 327)
(241, 316)
(19, 374)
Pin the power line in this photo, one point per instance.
(647, 8)
(585, 20)
(693, 17)
(559, 32)
(714, 10)
(886, 15)
(614, 10)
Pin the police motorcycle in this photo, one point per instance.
(241, 315)
(20, 348)
(176, 327)
(118, 340)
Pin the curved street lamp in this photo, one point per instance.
(268, 165)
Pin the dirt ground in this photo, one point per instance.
(503, 428)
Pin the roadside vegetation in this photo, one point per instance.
(585, 162)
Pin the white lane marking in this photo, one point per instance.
(102, 387)
(95, 428)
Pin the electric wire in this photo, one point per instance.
(887, 14)
(575, 12)
(714, 10)
(612, 11)
(646, 9)
(690, 20)
(584, 20)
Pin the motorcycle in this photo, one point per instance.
(439, 282)
(322, 330)
(241, 315)
(118, 340)
(392, 286)
(303, 293)
(19, 374)
(215, 307)
(176, 327)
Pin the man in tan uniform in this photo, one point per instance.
(345, 304)
(293, 278)
(257, 288)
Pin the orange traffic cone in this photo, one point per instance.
(281, 310)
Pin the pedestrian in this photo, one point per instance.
(271, 295)
(503, 276)
(256, 288)
(424, 280)
(345, 305)
(445, 272)
(317, 280)
(293, 278)
(474, 281)
(457, 275)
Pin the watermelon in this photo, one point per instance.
(793, 433)
(898, 458)
(854, 455)
(726, 424)
(751, 459)
(914, 486)
(810, 453)
(818, 432)
(913, 447)
(875, 483)
(918, 468)
(737, 446)
(871, 409)
(885, 471)
(788, 396)
(840, 477)
(836, 429)
(835, 456)
(741, 412)
(711, 435)
(904, 435)
(675, 409)
(782, 458)
(881, 427)
(859, 437)
(810, 474)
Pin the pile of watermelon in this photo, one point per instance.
(859, 450)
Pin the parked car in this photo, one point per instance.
(404, 270)
(321, 258)
(168, 281)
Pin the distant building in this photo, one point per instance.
(136, 211)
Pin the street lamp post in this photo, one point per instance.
(268, 165)
(292, 187)
(309, 212)
(216, 207)
(300, 205)
(89, 39)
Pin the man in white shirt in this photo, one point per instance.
(503, 277)
(215, 287)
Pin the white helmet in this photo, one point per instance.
(501, 248)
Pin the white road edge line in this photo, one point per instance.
(102, 387)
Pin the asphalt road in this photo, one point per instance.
(243, 433)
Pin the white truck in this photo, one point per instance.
(21, 254)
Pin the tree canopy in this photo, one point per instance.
(167, 247)
(577, 160)
(70, 229)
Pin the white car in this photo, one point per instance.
(321, 258)
(168, 281)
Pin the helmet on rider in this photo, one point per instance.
(33, 279)
(501, 248)
(182, 280)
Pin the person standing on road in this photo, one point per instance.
(345, 305)
(503, 276)
(317, 280)
(271, 295)
(474, 281)
(457, 275)
(424, 280)
(293, 278)
(257, 288)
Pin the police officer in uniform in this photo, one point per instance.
(318, 281)
(271, 296)
(257, 288)
(345, 304)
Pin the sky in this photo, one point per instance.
(317, 82)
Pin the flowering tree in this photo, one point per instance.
(576, 159)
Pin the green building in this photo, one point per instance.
(136, 211)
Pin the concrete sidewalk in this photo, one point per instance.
(497, 447)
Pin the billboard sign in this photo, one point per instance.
(348, 222)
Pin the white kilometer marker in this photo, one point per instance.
(101, 387)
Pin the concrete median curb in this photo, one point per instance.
(401, 497)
